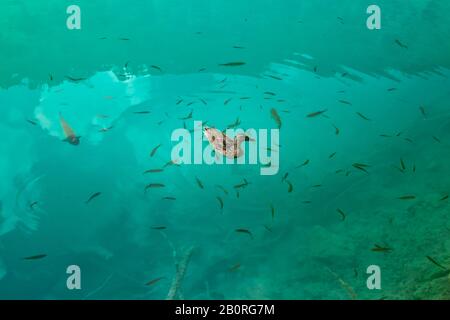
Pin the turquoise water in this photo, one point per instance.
(370, 172)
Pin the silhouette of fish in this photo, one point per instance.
(93, 196)
(35, 257)
(232, 64)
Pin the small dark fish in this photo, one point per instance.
(436, 263)
(337, 130)
(220, 202)
(124, 39)
(33, 204)
(276, 117)
(385, 135)
(271, 150)
(444, 198)
(391, 89)
(50, 77)
(422, 110)
(238, 47)
(378, 248)
(408, 139)
(169, 198)
(437, 139)
(32, 122)
(235, 267)
(203, 101)
(341, 213)
(35, 257)
(201, 69)
(152, 153)
(362, 165)
(285, 176)
(274, 77)
(315, 69)
(75, 79)
(159, 228)
(242, 185)
(439, 274)
(227, 101)
(179, 101)
(93, 196)
(407, 197)
(154, 185)
(414, 168)
(223, 189)
(402, 164)
(152, 282)
(246, 231)
(170, 163)
(316, 113)
(232, 64)
(189, 116)
(268, 228)
(156, 67)
(307, 201)
(359, 167)
(272, 211)
(269, 93)
(290, 186)
(190, 103)
(401, 45)
(199, 183)
(141, 112)
(362, 116)
(235, 124)
(345, 102)
(316, 186)
(332, 155)
(153, 171)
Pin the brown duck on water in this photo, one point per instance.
(230, 148)
(71, 137)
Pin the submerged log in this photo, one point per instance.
(181, 267)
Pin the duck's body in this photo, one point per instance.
(222, 144)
